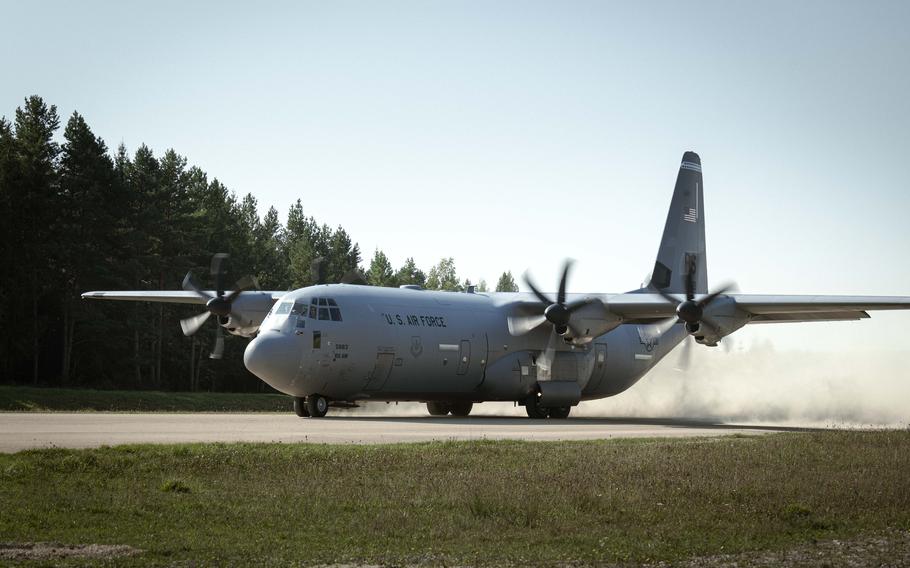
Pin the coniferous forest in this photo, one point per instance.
(79, 216)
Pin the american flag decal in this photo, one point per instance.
(690, 215)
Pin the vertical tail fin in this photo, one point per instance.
(682, 248)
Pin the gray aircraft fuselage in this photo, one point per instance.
(420, 345)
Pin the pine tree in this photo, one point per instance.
(380, 272)
(506, 283)
(35, 205)
(410, 274)
(444, 277)
(89, 230)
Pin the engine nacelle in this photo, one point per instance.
(725, 316)
(250, 308)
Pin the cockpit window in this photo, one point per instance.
(284, 308)
(325, 309)
(299, 308)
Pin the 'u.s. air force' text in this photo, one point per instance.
(416, 321)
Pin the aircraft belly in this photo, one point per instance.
(630, 352)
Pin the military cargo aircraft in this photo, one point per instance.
(336, 344)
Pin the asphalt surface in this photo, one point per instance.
(20, 431)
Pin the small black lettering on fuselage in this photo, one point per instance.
(415, 320)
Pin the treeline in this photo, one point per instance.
(78, 217)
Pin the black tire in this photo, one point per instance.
(560, 411)
(317, 405)
(461, 408)
(300, 407)
(533, 408)
(437, 408)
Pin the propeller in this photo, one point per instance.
(219, 304)
(557, 312)
(690, 311)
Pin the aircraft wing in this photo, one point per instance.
(165, 296)
(772, 308)
(648, 308)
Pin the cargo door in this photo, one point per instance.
(600, 365)
(382, 368)
(464, 357)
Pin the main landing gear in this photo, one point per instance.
(538, 412)
(314, 406)
(458, 408)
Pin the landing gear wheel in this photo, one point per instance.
(461, 408)
(317, 405)
(437, 408)
(535, 411)
(300, 407)
(560, 411)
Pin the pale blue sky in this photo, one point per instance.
(513, 134)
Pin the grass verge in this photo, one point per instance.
(520, 503)
(19, 399)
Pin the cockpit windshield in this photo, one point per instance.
(325, 309)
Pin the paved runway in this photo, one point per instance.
(19, 431)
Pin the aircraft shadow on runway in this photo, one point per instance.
(672, 422)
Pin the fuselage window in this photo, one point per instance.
(317, 340)
(284, 308)
(336, 313)
(322, 302)
(331, 302)
(324, 313)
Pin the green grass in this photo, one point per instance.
(460, 502)
(18, 399)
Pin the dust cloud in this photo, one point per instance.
(745, 386)
(764, 386)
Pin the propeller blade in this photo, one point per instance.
(665, 325)
(669, 297)
(691, 268)
(217, 270)
(317, 270)
(520, 325)
(192, 324)
(578, 304)
(190, 285)
(218, 351)
(713, 296)
(546, 358)
(546, 301)
(354, 277)
(246, 283)
(561, 296)
(685, 355)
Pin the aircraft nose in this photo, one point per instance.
(273, 358)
